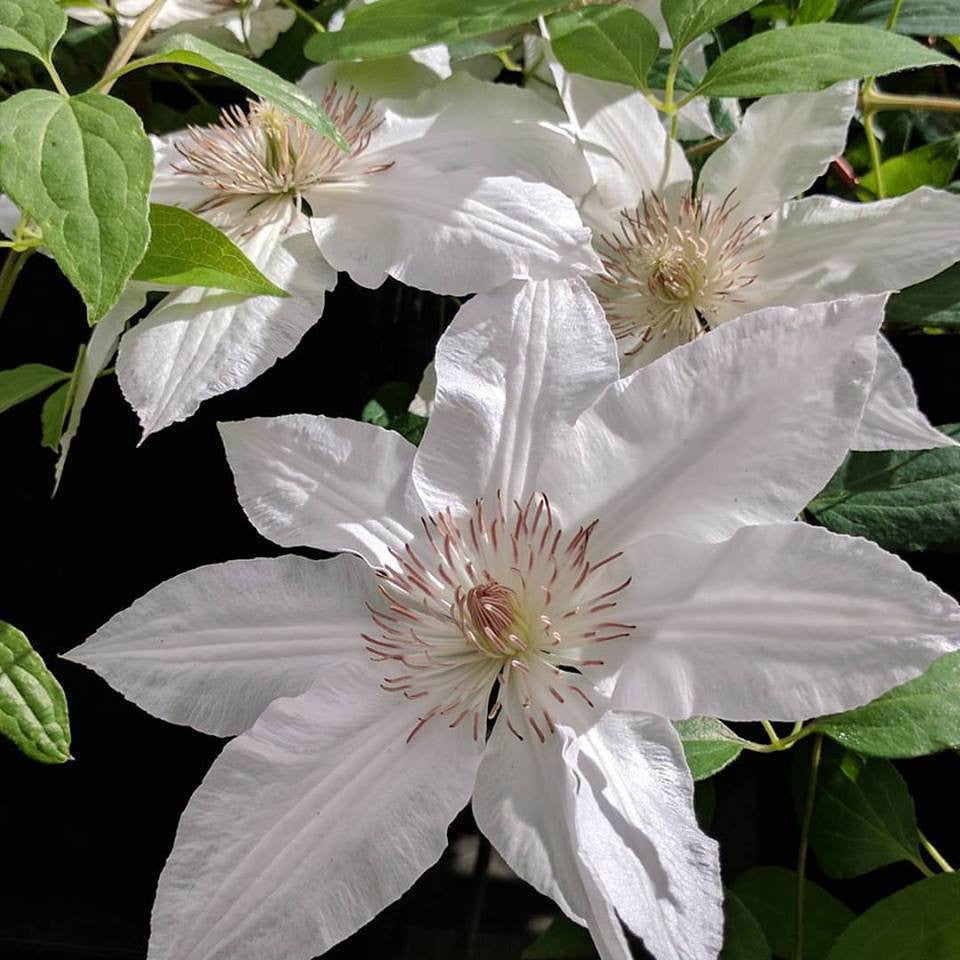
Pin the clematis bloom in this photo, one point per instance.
(567, 561)
(680, 260)
(438, 191)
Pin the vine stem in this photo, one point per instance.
(935, 855)
(12, 266)
(805, 842)
(127, 47)
(300, 12)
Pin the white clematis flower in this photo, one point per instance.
(569, 558)
(243, 26)
(417, 197)
(679, 261)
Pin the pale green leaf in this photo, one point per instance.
(187, 251)
(562, 940)
(769, 893)
(26, 381)
(815, 11)
(920, 922)
(54, 415)
(80, 167)
(919, 717)
(391, 27)
(709, 745)
(609, 42)
(31, 26)
(688, 19)
(937, 18)
(863, 815)
(743, 937)
(194, 52)
(33, 708)
(903, 500)
(931, 165)
(812, 57)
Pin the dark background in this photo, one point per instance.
(83, 843)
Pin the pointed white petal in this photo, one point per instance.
(100, 348)
(625, 144)
(168, 186)
(784, 144)
(782, 622)
(513, 367)
(603, 822)
(326, 483)
(309, 824)
(494, 128)
(422, 403)
(212, 648)
(825, 247)
(457, 232)
(891, 418)
(744, 425)
(199, 343)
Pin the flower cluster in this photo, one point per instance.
(601, 532)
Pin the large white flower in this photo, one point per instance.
(244, 26)
(680, 260)
(567, 560)
(439, 191)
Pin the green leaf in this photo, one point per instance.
(390, 27)
(903, 500)
(936, 18)
(688, 19)
(743, 937)
(769, 893)
(54, 415)
(388, 408)
(194, 52)
(686, 80)
(812, 57)
(187, 251)
(935, 303)
(920, 922)
(863, 816)
(917, 718)
(562, 940)
(26, 381)
(930, 165)
(709, 745)
(33, 708)
(81, 168)
(815, 11)
(608, 42)
(31, 26)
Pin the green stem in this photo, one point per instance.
(935, 855)
(708, 146)
(127, 48)
(55, 77)
(876, 163)
(875, 101)
(300, 12)
(12, 266)
(771, 733)
(805, 842)
(894, 13)
(781, 743)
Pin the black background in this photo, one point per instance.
(83, 843)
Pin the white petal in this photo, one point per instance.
(309, 824)
(199, 343)
(212, 648)
(826, 247)
(784, 144)
(891, 418)
(169, 186)
(326, 483)
(498, 129)
(457, 232)
(625, 144)
(422, 403)
(603, 822)
(100, 348)
(513, 367)
(782, 622)
(744, 425)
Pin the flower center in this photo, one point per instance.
(266, 154)
(496, 611)
(669, 271)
